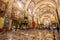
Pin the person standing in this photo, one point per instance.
(34, 24)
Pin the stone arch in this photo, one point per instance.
(51, 10)
(43, 2)
(50, 17)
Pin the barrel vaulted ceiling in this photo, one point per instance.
(40, 9)
(44, 9)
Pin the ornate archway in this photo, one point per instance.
(46, 8)
(48, 19)
(45, 3)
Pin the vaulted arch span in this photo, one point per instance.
(44, 2)
(48, 17)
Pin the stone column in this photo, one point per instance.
(8, 13)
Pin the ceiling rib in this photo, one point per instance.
(43, 2)
(27, 4)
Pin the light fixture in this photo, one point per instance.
(20, 4)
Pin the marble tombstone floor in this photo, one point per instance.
(29, 35)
